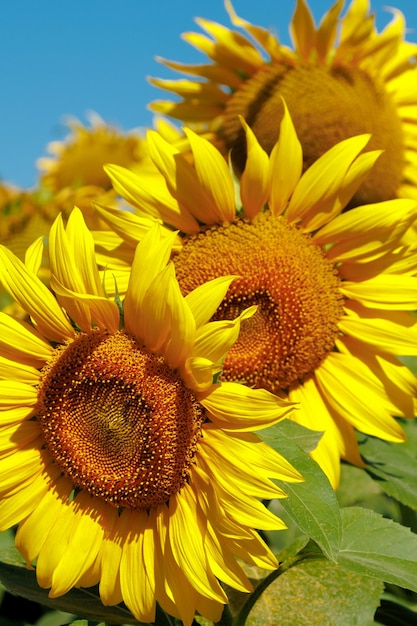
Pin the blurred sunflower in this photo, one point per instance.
(333, 289)
(337, 83)
(73, 176)
(123, 462)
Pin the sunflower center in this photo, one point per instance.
(327, 105)
(118, 421)
(293, 284)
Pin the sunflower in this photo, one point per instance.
(73, 176)
(334, 289)
(122, 461)
(78, 160)
(337, 83)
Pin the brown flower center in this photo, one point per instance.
(118, 421)
(295, 287)
(327, 105)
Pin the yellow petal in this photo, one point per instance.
(16, 393)
(182, 180)
(241, 507)
(214, 176)
(303, 30)
(33, 255)
(240, 471)
(326, 33)
(33, 531)
(102, 311)
(385, 291)
(17, 507)
(205, 299)
(183, 328)
(151, 200)
(257, 453)
(394, 334)
(33, 297)
(320, 185)
(17, 436)
(214, 340)
(138, 593)
(222, 562)
(235, 407)
(82, 244)
(65, 273)
(314, 414)
(254, 182)
(82, 543)
(263, 36)
(20, 372)
(343, 379)
(110, 555)
(16, 415)
(186, 541)
(197, 373)
(20, 342)
(286, 164)
(151, 257)
(129, 226)
(231, 47)
(372, 220)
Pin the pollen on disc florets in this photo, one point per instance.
(295, 287)
(327, 105)
(118, 420)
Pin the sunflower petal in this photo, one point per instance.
(188, 548)
(182, 180)
(342, 380)
(286, 164)
(386, 291)
(214, 176)
(235, 407)
(155, 200)
(21, 342)
(255, 181)
(320, 185)
(33, 297)
(205, 299)
(151, 257)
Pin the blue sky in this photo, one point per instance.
(67, 58)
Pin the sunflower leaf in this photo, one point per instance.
(84, 602)
(313, 592)
(304, 437)
(393, 466)
(312, 504)
(85, 622)
(378, 547)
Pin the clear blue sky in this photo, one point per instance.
(60, 58)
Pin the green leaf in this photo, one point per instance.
(85, 622)
(316, 592)
(84, 602)
(304, 437)
(393, 465)
(378, 547)
(312, 505)
(55, 618)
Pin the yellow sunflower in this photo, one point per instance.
(74, 176)
(334, 290)
(123, 462)
(78, 160)
(337, 83)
